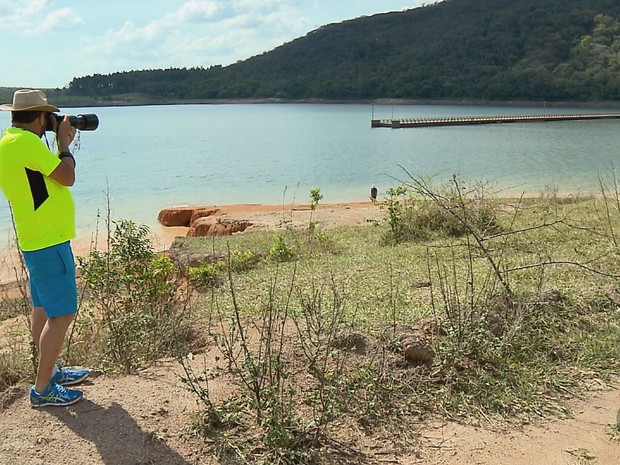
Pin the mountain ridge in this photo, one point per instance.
(490, 50)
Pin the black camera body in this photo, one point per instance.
(87, 122)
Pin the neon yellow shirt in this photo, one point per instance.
(43, 209)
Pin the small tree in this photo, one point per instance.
(315, 198)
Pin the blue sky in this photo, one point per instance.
(49, 42)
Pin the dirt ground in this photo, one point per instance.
(145, 418)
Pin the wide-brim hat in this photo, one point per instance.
(29, 100)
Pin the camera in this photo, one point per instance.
(87, 122)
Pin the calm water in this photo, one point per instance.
(149, 158)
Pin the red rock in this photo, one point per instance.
(201, 212)
(176, 216)
(184, 216)
(208, 226)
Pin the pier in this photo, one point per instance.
(467, 120)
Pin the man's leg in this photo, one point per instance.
(50, 345)
(54, 298)
(37, 322)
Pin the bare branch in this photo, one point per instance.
(562, 262)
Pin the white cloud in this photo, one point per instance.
(29, 17)
(201, 11)
(20, 15)
(31, 7)
(237, 29)
(61, 19)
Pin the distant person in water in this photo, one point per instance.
(36, 182)
(373, 194)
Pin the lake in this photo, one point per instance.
(143, 159)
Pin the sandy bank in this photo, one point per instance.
(262, 217)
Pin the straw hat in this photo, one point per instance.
(29, 100)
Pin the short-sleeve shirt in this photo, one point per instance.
(43, 209)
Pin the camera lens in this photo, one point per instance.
(87, 122)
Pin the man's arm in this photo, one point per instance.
(65, 172)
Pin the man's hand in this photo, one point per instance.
(64, 134)
(65, 172)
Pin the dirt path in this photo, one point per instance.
(583, 439)
(141, 419)
(145, 419)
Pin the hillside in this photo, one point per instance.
(551, 50)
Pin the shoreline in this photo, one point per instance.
(141, 100)
(263, 217)
(260, 216)
(386, 101)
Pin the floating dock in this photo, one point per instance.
(466, 120)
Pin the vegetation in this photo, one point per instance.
(496, 50)
(500, 317)
(134, 310)
(497, 309)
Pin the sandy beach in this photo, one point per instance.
(262, 217)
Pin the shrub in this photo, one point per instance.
(206, 275)
(419, 212)
(134, 292)
(280, 251)
(243, 260)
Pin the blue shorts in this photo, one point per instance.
(52, 279)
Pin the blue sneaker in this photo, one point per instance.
(54, 395)
(70, 376)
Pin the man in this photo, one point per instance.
(373, 194)
(36, 182)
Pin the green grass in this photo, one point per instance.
(517, 318)
(381, 284)
(613, 431)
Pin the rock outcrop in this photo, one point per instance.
(202, 221)
(177, 216)
(208, 226)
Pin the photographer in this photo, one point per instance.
(36, 182)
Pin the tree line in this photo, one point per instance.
(499, 50)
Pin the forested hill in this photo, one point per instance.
(553, 50)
